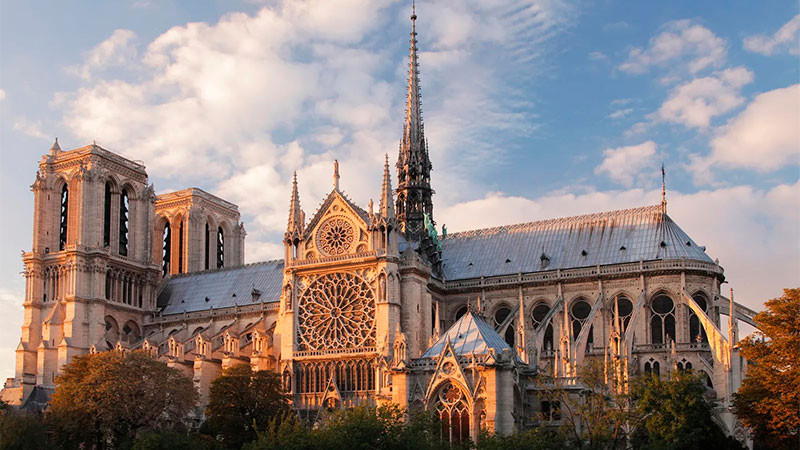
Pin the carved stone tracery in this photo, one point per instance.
(337, 311)
(336, 236)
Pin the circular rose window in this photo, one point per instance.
(337, 311)
(336, 236)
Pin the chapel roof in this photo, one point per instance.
(610, 237)
(222, 288)
(470, 335)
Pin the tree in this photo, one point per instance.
(241, 402)
(20, 430)
(673, 413)
(768, 402)
(105, 399)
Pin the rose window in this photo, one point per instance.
(337, 311)
(336, 236)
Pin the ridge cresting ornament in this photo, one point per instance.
(337, 311)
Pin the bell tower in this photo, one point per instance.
(90, 278)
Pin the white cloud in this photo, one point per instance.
(236, 106)
(2, 95)
(118, 50)
(11, 298)
(683, 45)
(786, 38)
(753, 232)
(627, 164)
(765, 136)
(620, 113)
(30, 128)
(694, 103)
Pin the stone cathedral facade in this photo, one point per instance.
(368, 306)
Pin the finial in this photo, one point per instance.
(413, 10)
(55, 148)
(663, 189)
(336, 174)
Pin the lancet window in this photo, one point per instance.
(625, 310)
(166, 250)
(207, 242)
(220, 248)
(124, 219)
(350, 375)
(662, 319)
(499, 317)
(181, 249)
(697, 333)
(107, 215)
(62, 229)
(538, 314)
(453, 412)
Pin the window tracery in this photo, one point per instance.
(124, 210)
(696, 331)
(453, 411)
(337, 311)
(336, 236)
(538, 314)
(62, 229)
(662, 319)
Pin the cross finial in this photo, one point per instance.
(413, 10)
(336, 174)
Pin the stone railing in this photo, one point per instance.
(208, 313)
(336, 258)
(583, 272)
(335, 351)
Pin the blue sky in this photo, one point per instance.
(533, 109)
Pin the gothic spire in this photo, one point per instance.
(386, 208)
(414, 193)
(336, 174)
(55, 148)
(295, 226)
(663, 190)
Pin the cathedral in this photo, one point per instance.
(369, 306)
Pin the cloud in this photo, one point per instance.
(626, 164)
(620, 113)
(11, 298)
(765, 136)
(118, 50)
(786, 38)
(694, 103)
(597, 56)
(245, 101)
(682, 45)
(753, 232)
(2, 95)
(30, 128)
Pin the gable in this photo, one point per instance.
(339, 227)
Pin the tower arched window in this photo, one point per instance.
(124, 219)
(580, 313)
(662, 319)
(166, 246)
(696, 331)
(220, 248)
(208, 247)
(62, 229)
(107, 216)
(538, 314)
(461, 311)
(180, 248)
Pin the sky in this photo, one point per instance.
(533, 109)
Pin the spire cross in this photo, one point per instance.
(663, 189)
(336, 174)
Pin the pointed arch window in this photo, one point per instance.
(124, 219)
(500, 316)
(580, 313)
(697, 333)
(453, 412)
(62, 229)
(107, 216)
(461, 311)
(220, 248)
(625, 310)
(208, 248)
(166, 247)
(662, 319)
(180, 247)
(538, 314)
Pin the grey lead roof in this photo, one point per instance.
(223, 288)
(470, 335)
(611, 237)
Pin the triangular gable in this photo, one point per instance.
(326, 206)
(470, 335)
(332, 392)
(448, 369)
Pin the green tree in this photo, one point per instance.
(241, 402)
(768, 402)
(104, 400)
(172, 440)
(673, 413)
(20, 430)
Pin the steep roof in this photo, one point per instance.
(336, 193)
(470, 335)
(222, 288)
(611, 237)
